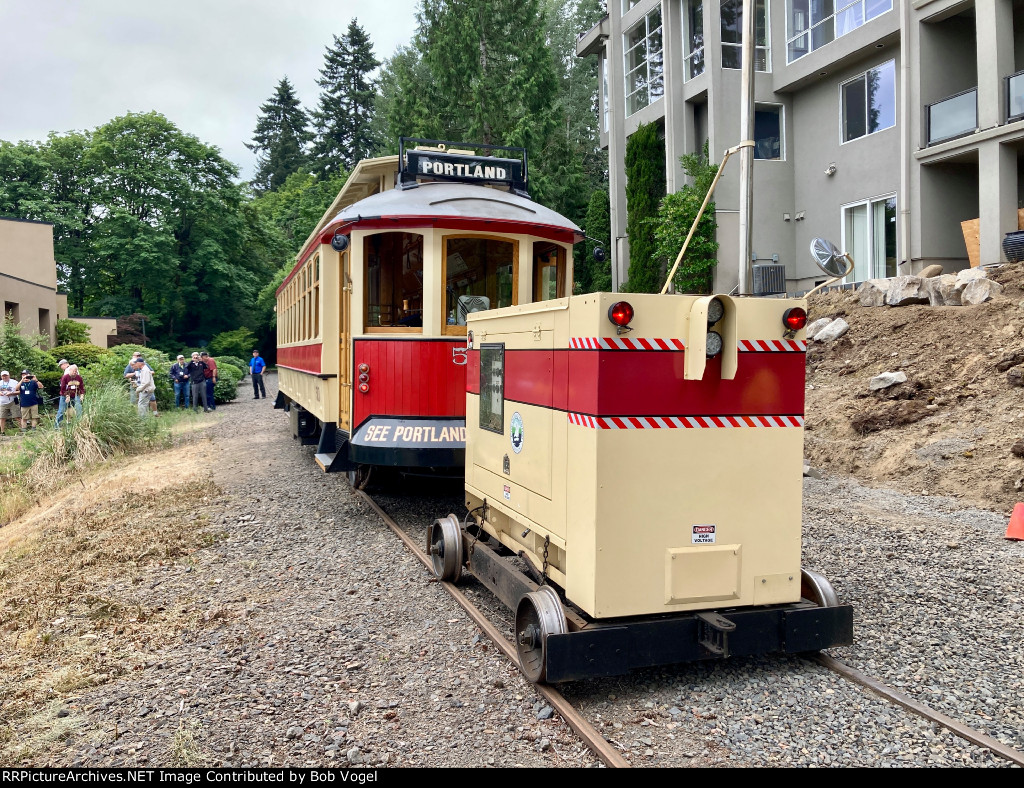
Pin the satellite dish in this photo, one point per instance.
(830, 259)
(469, 304)
(339, 242)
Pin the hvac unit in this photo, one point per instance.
(769, 279)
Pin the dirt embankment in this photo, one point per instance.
(951, 427)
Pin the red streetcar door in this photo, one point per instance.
(345, 346)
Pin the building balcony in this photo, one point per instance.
(1015, 97)
(952, 117)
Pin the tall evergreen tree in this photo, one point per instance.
(280, 139)
(343, 118)
(645, 187)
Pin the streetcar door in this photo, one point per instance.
(345, 346)
(549, 272)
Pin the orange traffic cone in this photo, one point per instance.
(1015, 530)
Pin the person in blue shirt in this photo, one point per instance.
(256, 367)
(182, 387)
(29, 393)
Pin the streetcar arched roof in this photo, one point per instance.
(434, 202)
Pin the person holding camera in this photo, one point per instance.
(29, 395)
(144, 385)
(72, 391)
(8, 400)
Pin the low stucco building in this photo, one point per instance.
(28, 277)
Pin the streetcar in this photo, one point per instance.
(371, 342)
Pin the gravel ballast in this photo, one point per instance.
(323, 642)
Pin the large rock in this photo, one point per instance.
(904, 290)
(887, 379)
(969, 274)
(950, 288)
(816, 326)
(978, 291)
(832, 331)
(932, 288)
(930, 271)
(873, 292)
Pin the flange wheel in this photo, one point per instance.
(817, 589)
(538, 615)
(359, 476)
(444, 544)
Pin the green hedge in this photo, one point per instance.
(226, 387)
(81, 353)
(234, 361)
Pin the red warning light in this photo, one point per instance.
(364, 388)
(794, 319)
(621, 313)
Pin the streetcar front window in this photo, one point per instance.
(480, 273)
(548, 272)
(394, 282)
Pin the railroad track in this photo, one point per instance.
(609, 755)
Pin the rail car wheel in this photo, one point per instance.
(817, 589)
(359, 476)
(444, 544)
(538, 614)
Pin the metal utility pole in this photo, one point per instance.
(747, 152)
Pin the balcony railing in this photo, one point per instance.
(1015, 96)
(952, 117)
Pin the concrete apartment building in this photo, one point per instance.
(882, 125)
(28, 277)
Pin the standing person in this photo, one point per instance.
(197, 378)
(179, 377)
(61, 404)
(211, 379)
(129, 375)
(8, 400)
(72, 390)
(256, 367)
(29, 394)
(145, 385)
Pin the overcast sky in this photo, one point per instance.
(207, 65)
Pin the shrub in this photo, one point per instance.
(109, 370)
(645, 187)
(17, 352)
(71, 332)
(234, 361)
(239, 342)
(81, 353)
(226, 387)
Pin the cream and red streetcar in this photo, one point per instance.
(372, 347)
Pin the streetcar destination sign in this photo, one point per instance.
(459, 167)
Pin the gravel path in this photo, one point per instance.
(325, 643)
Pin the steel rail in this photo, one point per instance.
(922, 710)
(608, 755)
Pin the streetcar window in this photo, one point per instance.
(480, 273)
(548, 272)
(492, 388)
(394, 281)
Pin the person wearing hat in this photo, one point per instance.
(179, 377)
(8, 400)
(211, 378)
(61, 402)
(197, 379)
(29, 395)
(129, 375)
(256, 367)
(144, 385)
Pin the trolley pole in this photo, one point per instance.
(747, 152)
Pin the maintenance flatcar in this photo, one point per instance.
(634, 482)
(371, 346)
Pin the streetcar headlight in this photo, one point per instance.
(715, 311)
(713, 345)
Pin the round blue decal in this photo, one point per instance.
(517, 432)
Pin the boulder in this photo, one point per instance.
(978, 291)
(904, 290)
(816, 326)
(932, 288)
(832, 331)
(951, 289)
(930, 271)
(968, 274)
(887, 379)
(1015, 377)
(873, 292)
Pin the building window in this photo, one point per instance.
(814, 23)
(628, 4)
(869, 236)
(869, 102)
(605, 104)
(732, 35)
(768, 133)
(645, 81)
(693, 37)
